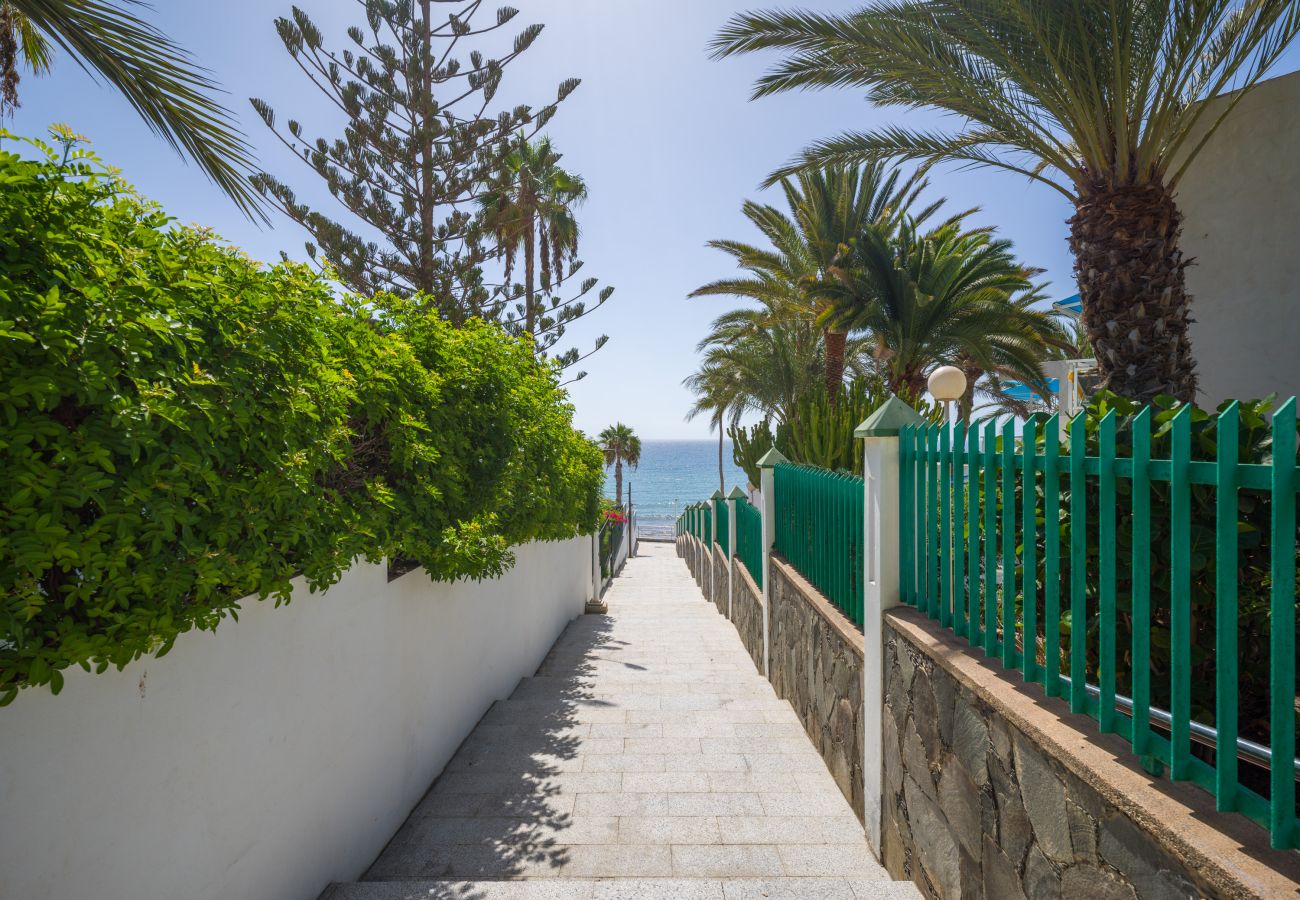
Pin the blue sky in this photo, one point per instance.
(668, 141)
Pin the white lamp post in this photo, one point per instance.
(947, 383)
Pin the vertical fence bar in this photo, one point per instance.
(1141, 723)
(906, 519)
(1282, 631)
(1029, 556)
(1052, 557)
(974, 632)
(1009, 544)
(1180, 599)
(1225, 608)
(933, 519)
(922, 533)
(1106, 571)
(959, 616)
(990, 541)
(1078, 557)
(945, 525)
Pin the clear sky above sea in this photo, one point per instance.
(668, 141)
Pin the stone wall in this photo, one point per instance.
(980, 803)
(816, 664)
(720, 588)
(747, 613)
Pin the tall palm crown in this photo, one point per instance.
(825, 208)
(945, 296)
(1100, 100)
(719, 391)
(157, 78)
(530, 208)
(620, 446)
(759, 361)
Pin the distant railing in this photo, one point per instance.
(973, 505)
(819, 529)
(749, 539)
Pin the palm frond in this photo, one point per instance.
(159, 80)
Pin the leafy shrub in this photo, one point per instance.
(181, 427)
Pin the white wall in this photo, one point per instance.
(280, 753)
(1241, 205)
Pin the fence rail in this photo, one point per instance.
(819, 529)
(1165, 591)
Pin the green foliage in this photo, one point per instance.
(183, 427)
(420, 137)
(748, 445)
(111, 41)
(528, 208)
(820, 432)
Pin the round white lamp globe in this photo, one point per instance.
(947, 383)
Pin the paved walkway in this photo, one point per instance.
(646, 759)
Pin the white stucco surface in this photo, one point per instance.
(280, 753)
(1241, 206)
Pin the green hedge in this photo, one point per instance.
(181, 427)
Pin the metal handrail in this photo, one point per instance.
(1205, 735)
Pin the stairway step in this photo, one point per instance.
(628, 889)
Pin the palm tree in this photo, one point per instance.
(826, 207)
(530, 207)
(620, 445)
(945, 296)
(1101, 101)
(770, 361)
(157, 78)
(716, 387)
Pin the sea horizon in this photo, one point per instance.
(674, 472)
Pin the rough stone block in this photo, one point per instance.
(1044, 798)
(1001, 880)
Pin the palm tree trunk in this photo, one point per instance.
(530, 277)
(618, 482)
(1135, 304)
(967, 401)
(834, 362)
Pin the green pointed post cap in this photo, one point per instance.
(737, 494)
(771, 458)
(892, 416)
(718, 495)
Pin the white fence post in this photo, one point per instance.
(767, 466)
(735, 495)
(880, 582)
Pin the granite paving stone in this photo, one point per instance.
(646, 758)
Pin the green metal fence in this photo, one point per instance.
(724, 528)
(749, 539)
(819, 525)
(1133, 606)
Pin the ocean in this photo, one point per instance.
(673, 474)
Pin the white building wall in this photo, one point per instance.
(280, 753)
(1241, 206)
